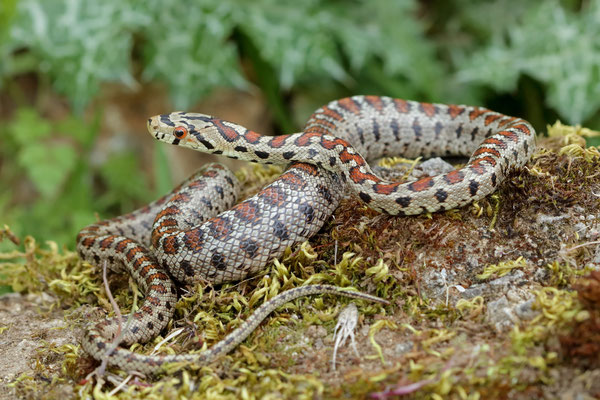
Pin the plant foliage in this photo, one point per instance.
(299, 54)
(549, 43)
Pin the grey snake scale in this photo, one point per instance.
(196, 233)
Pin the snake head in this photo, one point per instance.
(192, 130)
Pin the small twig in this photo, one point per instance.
(120, 332)
(582, 245)
(335, 253)
(120, 386)
(165, 340)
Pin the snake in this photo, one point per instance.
(197, 233)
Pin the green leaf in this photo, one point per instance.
(78, 129)
(28, 127)
(125, 181)
(47, 165)
(293, 36)
(188, 47)
(78, 43)
(554, 46)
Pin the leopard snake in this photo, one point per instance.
(196, 233)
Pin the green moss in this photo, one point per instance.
(502, 268)
(451, 352)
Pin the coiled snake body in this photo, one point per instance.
(168, 238)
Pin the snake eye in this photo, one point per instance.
(180, 132)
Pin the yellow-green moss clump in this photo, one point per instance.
(448, 276)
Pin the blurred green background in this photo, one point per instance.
(79, 78)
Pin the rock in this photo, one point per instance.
(474, 291)
(316, 331)
(431, 167)
(543, 219)
(404, 347)
(499, 285)
(500, 314)
(525, 311)
(507, 280)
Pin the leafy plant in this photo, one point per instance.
(47, 166)
(81, 44)
(549, 43)
(300, 55)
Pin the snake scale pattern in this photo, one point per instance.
(197, 233)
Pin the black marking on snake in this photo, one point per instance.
(150, 325)
(376, 130)
(365, 197)
(164, 118)
(219, 152)
(280, 231)
(261, 154)
(332, 161)
(325, 193)
(250, 247)
(403, 201)
(441, 195)
(308, 211)
(204, 142)
(312, 153)
(473, 187)
(438, 129)
(526, 146)
(217, 260)
(459, 131)
(395, 128)
(160, 316)
(515, 154)
(288, 155)
(176, 141)
(417, 129)
(361, 135)
(229, 180)
(187, 268)
(474, 133)
(493, 179)
(242, 149)
(220, 191)
(205, 118)
(101, 345)
(135, 329)
(206, 201)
